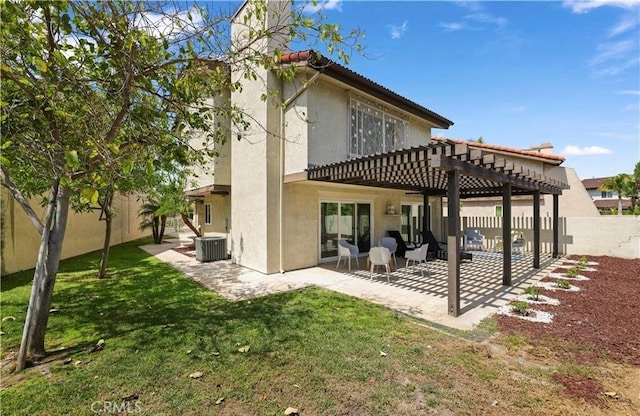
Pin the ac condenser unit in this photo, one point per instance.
(211, 249)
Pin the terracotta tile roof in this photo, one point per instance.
(341, 73)
(549, 158)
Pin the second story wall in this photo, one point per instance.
(318, 126)
(216, 170)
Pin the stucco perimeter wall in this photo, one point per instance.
(85, 233)
(608, 235)
(302, 216)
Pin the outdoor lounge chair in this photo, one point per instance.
(402, 245)
(347, 250)
(473, 240)
(438, 252)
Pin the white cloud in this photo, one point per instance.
(582, 6)
(572, 150)
(632, 107)
(627, 22)
(478, 17)
(323, 5)
(617, 68)
(397, 32)
(453, 26)
(613, 58)
(629, 92)
(487, 18)
(515, 109)
(612, 50)
(169, 24)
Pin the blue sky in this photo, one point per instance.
(516, 73)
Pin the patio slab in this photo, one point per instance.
(408, 292)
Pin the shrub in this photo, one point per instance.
(572, 272)
(533, 292)
(519, 307)
(563, 284)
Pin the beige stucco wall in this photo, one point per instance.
(302, 215)
(85, 233)
(255, 177)
(608, 235)
(215, 170)
(220, 214)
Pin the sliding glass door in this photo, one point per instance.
(348, 220)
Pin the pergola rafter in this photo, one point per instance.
(456, 170)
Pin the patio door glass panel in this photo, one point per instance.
(364, 227)
(351, 221)
(405, 222)
(348, 222)
(329, 229)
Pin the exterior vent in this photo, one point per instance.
(211, 249)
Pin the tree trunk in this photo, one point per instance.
(36, 347)
(44, 275)
(155, 229)
(163, 223)
(189, 224)
(619, 205)
(106, 210)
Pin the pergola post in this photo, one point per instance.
(453, 242)
(555, 225)
(506, 234)
(536, 230)
(426, 224)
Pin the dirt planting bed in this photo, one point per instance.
(602, 320)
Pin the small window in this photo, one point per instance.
(498, 210)
(207, 214)
(607, 194)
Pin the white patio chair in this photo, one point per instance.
(391, 244)
(419, 256)
(347, 250)
(518, 242)
(379, 256)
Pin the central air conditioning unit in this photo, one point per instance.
(211, 249)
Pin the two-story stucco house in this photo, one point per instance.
(348, 158)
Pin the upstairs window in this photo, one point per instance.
(375, 129)
(607, 194)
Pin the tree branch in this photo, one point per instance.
(17, 195)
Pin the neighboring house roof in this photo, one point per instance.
(530, 154)
(611, 203)
(316, 61)
(593, 183)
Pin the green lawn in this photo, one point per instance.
(314, 350)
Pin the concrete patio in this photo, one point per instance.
(408, 292)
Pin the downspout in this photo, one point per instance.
(283, 109)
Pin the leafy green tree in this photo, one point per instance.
(93, 90)
(616, 184)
